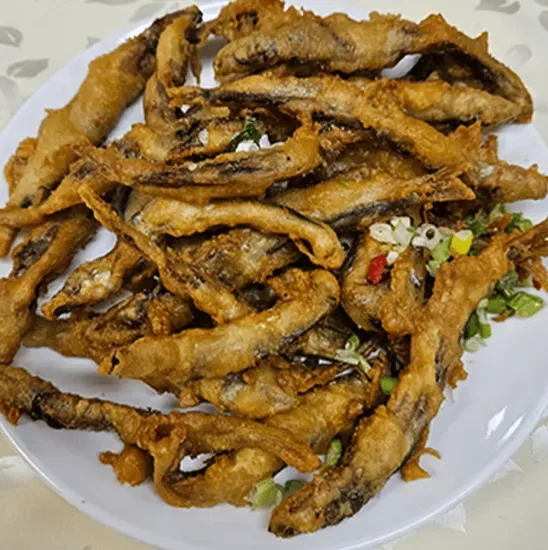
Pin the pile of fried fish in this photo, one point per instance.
(244, 218)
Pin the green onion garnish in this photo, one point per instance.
(345, 183)
(292, 486)
(506, 285)
(351, 356)
(265, 493)
(388, 383)
(519, 222)
(496, 305)
(477, 228)
(498, 211)
(334, 453)
(250, 132)
(442, 252)
(472, 327)
(525, 305)
(472, 345)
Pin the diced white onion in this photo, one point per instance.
(192, 166)
(203, 137)
(246, 146)
(402, 234)
(405, 220)
(486, 170)
(264, 142)
(184, 108)
(383, 233)
(428, 236)
(392, 256)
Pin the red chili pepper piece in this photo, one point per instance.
(376, 269)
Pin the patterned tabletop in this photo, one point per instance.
(39, 36)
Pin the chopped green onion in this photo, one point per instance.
(474, 252)
(519, 222)
(388, 383)
(498, 211)
(525, 305)
(292, 486)
(353, 343)
(250, 132)
(485, 330)
(442, 252)
(496, 305)
(265, 493)
(477, 228)
(472, 345)
(351, 356)
(506, 285)
(473, 326)
(334, 453)
(345, 183)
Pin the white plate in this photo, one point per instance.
(476, 432)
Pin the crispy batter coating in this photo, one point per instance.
(400, 306)
(362, 300)
(314, 239)
(166, 437)
(43, 255)
(258, 392)
(383, 441)
(166, 363)
(156, 312)
(357, 197)
(63, 197)
(437, 101)
(17, 163)
(244, 174)
(335, 43)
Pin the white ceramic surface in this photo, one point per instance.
(477, 431)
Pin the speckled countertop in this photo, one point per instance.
(39, 36)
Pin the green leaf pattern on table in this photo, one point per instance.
(10, 36)
(502, 6)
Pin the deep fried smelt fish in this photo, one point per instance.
(362, 300)
(231, 174)
(437, 101)
(167, 437)
(336, 99)
(314, 239)
(63, 197)
(17, 163)
(258, 392)
(355, 198)
(178, 276)
(174, 49)
(320, 416)
(114, 80)
(403, 303)
(385, 440)
(43, 255)
(243, 256)
(436, 35)
(94, 281)
(242, 17)
(159, 312)
(168, 363)
(335, 43)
